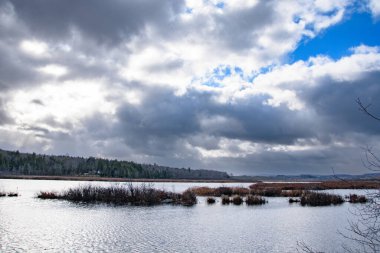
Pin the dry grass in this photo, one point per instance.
(317, 185)
(219, 191)
(292, 193)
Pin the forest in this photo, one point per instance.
(16, 163)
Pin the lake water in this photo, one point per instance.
(28, 224)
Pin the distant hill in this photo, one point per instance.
(16, 163)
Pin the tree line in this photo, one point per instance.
(16, 163)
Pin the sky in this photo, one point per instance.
(245, 86)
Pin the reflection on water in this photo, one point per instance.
(28, 224)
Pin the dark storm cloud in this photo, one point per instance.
(163, 118)
(240, 29)
(15, 69)
(104, 21)
(162, 124)
(334, 103)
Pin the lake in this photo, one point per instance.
(28, 224)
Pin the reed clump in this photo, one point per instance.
(12, 194)
(188, 198)
(237, 200)
(211, 200)
(47, 195)
(293, 200)
(320, 199)
(225, 200)
(354, 198)
(254, 200)
(119, 195)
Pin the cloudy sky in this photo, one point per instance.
(244, 86)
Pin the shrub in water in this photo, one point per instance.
(188, 198)
(320, 199)
(291, 200)
(354, 198)
(210, 200)
(47, 195)
(225, 200)
(254, 200)
(12, 194)
(237, 200)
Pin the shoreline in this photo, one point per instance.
(118, 179)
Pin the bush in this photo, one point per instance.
(237, 200)
(225, 200)
(211, 200)
(254, 200)
(291, 200)
(188, 198)
(354, 198)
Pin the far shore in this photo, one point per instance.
(118, 179)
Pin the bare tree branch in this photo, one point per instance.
(364, 108)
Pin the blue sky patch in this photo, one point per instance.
(336, 41)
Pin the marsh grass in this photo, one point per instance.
(320, 199)
(12, 194)
(325, 185)
(219, 191)
(120, 195)
(354, 198)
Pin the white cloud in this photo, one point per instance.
(374, 6)
(34, 48)
(53, 69)
(70, 101)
